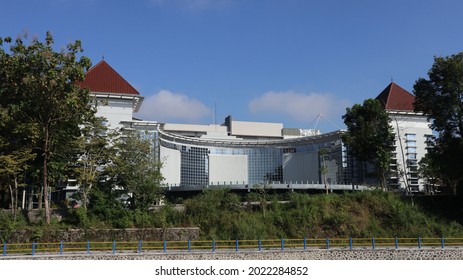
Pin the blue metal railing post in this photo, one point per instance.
(260, 245)
(4, 248)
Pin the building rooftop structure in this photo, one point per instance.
(102, 78)
(394, 97)
(115, 98)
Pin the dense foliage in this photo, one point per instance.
(41, 104)
(363, 214)
(121, 180)
(441, 98)
(221, 214)
(136, 170)
(49, 133)
(369, 135)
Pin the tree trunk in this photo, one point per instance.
(384, 180)
(45, 177)
(30, 199)
(40, 198)
(326, 185)
(85, 192)
(15, 204)
(324, 172)
(13, 211)
(45, 191)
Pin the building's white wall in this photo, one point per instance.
(211, 131)
(226, 169)
(256, 129)
(301, 167)
(115, 111)
(195, 128)
(404, 124)
(170, 169)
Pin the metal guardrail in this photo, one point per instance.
(60, 248)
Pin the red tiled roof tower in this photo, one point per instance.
(393, 97)
(103, 78)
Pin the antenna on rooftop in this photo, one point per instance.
(333, 123)
(317, 119)
(102, 57)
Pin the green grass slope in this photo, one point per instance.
(221, 215)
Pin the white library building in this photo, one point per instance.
(240, 155)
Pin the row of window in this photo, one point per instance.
(264, 163)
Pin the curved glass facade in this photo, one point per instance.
(198, 162)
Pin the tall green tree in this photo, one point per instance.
(136, 169)
(12, 167)
(261, 194)
(429, 170)
(17, 138)
(370, 136)
(95, 151)
(41, 87)
(441, 98)
(16, 153)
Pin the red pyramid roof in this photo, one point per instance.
(103, 78)
(393, 97)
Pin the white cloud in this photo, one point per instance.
(299, 106)
(167, 106)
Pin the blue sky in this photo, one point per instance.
(281, 61)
